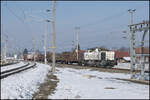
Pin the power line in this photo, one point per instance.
(109, 18)
(19, 18)
(103, 20)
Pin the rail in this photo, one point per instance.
(106, 69)
(16, 70)
(3, 65)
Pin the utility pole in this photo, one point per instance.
(53, 39)
(132, 46)
(34, 46)
(45, 40)
(142, 56)
(72, 45)
(143, 26)
(77, 40)
(5, 50)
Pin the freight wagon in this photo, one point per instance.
(89, 58)
(70, 57)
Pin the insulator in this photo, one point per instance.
(147, 25)
(130, 28)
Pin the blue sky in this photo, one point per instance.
(101, 23)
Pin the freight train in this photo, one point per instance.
(99, 58)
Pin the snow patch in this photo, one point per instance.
(24, 84)
(12, 66)
(86, 84)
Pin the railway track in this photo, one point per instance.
(7, 73)
(117, 70)
(128, 70)
(3, 65)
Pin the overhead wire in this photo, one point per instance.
(89, 24)
(19, 18)
(106, 19)
(10, 10)
(109, 18)
(103, 20)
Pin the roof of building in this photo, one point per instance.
(121, 54)
(81, 51)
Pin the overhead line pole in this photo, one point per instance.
(34, 46)
(77, 41)
(72, 45)
(143, 58)
(144, 26)
(53, 39)
(45, 40)
(5, 51)
(132, 45)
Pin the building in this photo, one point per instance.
(138, 52)
(122, 56)
(31, 55)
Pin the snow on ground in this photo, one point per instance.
(12, 66)
(146, 76)
(24, 84)
(127, 66)
(86, 84)
(123, 65)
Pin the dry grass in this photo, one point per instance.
(109, 88)
(47, 88)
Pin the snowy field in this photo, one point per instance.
(86, 84)
(24, 84)
(12, 66)
(73, 84)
